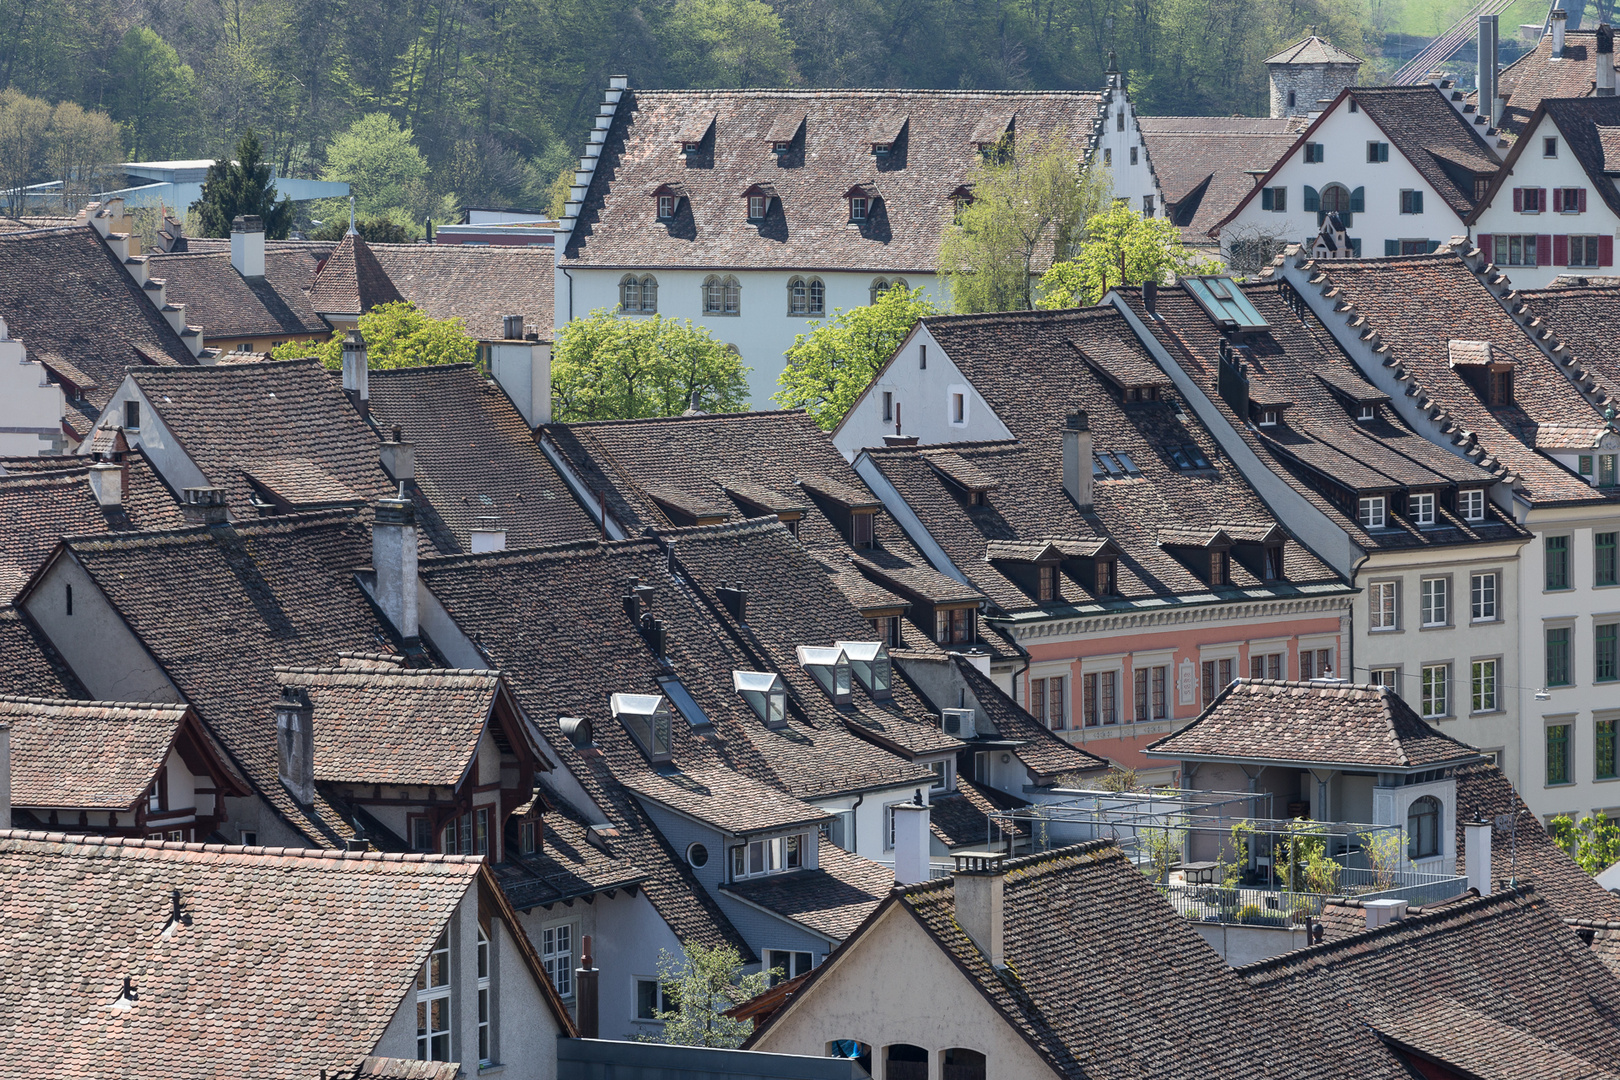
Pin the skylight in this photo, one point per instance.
(1188, 457)
(647, 718)
(1130, 466)
(830, 668)
(765, 693)
(869, 660)
(1221, 298)
(685, 704)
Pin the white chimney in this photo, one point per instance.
(521, 363)
(295, 744)
(1477, 855)
(398, 457)
(977, 883)
(487, 535)
(1488, 103)
(1560, 18)
(1605, 61)
(107, 484)
(356, 376)
(1077, 458)
(393, 557)
(5, 776)
(1384, 912)
(911, 843)
(247, 245)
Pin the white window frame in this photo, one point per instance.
(1427, 699)
(486, 1000)
(1367, 413)
(789, 969)
(1478, 584)
(1373, 511)
(1268, 417)
(1471, 504)
(944, 774)
(761, 203)
(1383, 599)
(427, 996)
(660, 1001)
(1422, 507)
(774, 856)
(1434, 598)
(557, 958)
(1474, 674)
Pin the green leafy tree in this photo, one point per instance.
(610, 367)
(1028, 208)
(828, 367)
(727, 43)
(379, 161)
(153, 94)
(24, 127)
(80, 145)
(701, 985)
(378, 230)
(397, 335)
(243, 187)
(1121, 248)
(1594, 843)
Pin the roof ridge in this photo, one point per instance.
(799, 91)
(922, 448)
(92, 703)
(392, 672)
(539, 551)
(329, 854)
(291, 362)
(669, 419)
(742, 527)
(277, 523)
(416, 369)
(1028, 315)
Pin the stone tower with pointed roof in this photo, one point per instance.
(1308, 71)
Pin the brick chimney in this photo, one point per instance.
(1077, 458)
(398, 457)
(247, 245)
(1477, 855)
(204, 506)
(586, 1002)
(356, 376)
(1560, 19)
(911, 842)
(295, 744)
(977, 884)
(393, 557)
(521, 363)
(107, 484)
(1605, 61)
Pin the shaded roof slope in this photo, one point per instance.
(478, 285)
(351, 281)
(808, 227)
(1204, 163)
(226, 304)
(1584, 316)
(1047, 756)
(1446, 148)
(475, 458)
(70, 303)
(87, 754)
(832, 900)
(336, 938)
(29, 663)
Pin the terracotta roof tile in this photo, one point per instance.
(831, 900)
(351, 281)
(1447, 149)
(725, 799)
(227, 305)
(29, 663)
(961, 818)
(1047, 757)
(92, 755)
(1204, 163)
(1313, 50)
(478, 285)
(1578, 315)
(574, 861)
(1538, 75)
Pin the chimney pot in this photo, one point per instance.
(204, 505)
(399, 457)
(977, 886)
(1477, 855)
(247, 245)
(393, 557)
(1150, 296)
(1077, 458)
(1604, 77)
(488, 535)
(512, 327)
(107, 484)
(356, 374)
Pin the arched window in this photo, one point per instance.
(1423, 828)
(630, 293)
(818, 297)
(649, 295)
(721, 295)
(807, 296)
(878, 287)
(962, 1064)
(899, 283)
(1335, 199)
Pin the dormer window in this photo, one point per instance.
(869, 661)
(857, 208)
(882, 149)
(765, 693)
(954, 626)
(1268, 417)
(1107, 577)
(884, 133)
(1501, 386)
(757, 206)
(1046, 589)
(1421, 506)
(1367, 413)
(666, 207)
(689, 149)
(830, 669)
(1371, 512)
(647, 718)
(860, 529)
(1220, 568)
(1273, 562)
(1471, 504)
(779, 147)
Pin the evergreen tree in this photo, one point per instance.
(243, 187)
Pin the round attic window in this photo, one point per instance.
(697, 855)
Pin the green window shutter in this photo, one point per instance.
(1267, 199)
(1417, 202)
(1383, 151)
(1433, 244)
(1313, 200)
(1358, 201)
(1392, 247)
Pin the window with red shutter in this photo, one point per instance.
(1558, 200)
(1582, 206)
(1518, 200)
(1541, 200)
(1485, 247)
(1606, 250)
(1544, 251)
(1560, 251)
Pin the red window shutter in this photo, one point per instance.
(1544, 251)
(1582, 206)
(1560, 251)
(1485, 247)
(1541, 200)
(1518, 200)
(1606, 249)
(1558, 200)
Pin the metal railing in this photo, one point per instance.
(1282, 907)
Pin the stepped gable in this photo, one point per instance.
(935, 136)
(1583, 311)
(475, 457)
(78, 312)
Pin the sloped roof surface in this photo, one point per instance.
(573, 861)
(832, 900)
(351, 281)
(808, 227)
(1538, 75)
(319, 947)
(1432, 135)
(475, 458)
(1313, 50)
(1208, 158)
(92, 754)
(1591, 131)
(1045, 755)
(70, 302)
(226, 304)
(478, 285)
(1583, 317)
(29, 663)
(724, 798)
(1322, 723)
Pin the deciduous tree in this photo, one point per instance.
(379, 161)
(24, 125)
(828, 367)
(700, 985)
(397, 335)
(153, 94)
(1121, 248)
(612, 367)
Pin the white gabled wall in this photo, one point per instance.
(1113, 143)
(153, 438)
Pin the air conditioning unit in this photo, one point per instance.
(958, 722)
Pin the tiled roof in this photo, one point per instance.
(1415, 342)
(1581, 316)
(72, 304)
(226, 304)
(1347, 915)
(280, 591)
(335, 939)
(574, 861)
(478, 285)
(1087, 909)
(384, 1068)
(1313, 723)
(285, 422)
(29, 663)
(1203, 163)
(1047, 757)
(475, 458)
(1433, 136)
(808, 227)
(1313, 50)
(1538, 75)
(961, 818)
(725, 799)
(1591, 130)
(88, 755)
(351, 281)
(1317, 446)
(1495, 988)
(395, 726)
(39, 508)
(832, 900)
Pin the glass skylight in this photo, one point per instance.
(870, 662)
(765, 693)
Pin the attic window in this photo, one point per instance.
(1188, 457)
(685, 704)
(1471, 502)
(869, 661)
(1107, 577)
(1268, 417)
(1367, 412)
(666, 207)
(1501, 386)
(860, 529)
(647, 718)
(1046, 589)
(757, 207)
(1273, 562)
(882, 149)
(857, 208)
(1421, 507)
(830, 669)
(132, 415)
(1220, 567)
(765, 693)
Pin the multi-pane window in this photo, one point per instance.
(1471, 504)
(433, 1004)
(1434, 694)
(1107, 577)
(785, 965)
(1152, 693)
(1386, 676)
(857, 209)
(1604, 765)
(1603, 562)
(1047, 584)
(1315, 664)
(1372, 512)
(467, 834)
(1274, 563)
(1482, 590)
(808, 297)
(1558, 665)
(1583, 251)
(651, 999)
(1435, 596)
(860, 530)
(1101, 691)
(1314, 154)
(953, 626)
(886, 628)
(1266, 665)
(1274, 198)
(721, 296)
(1558, 754)
(771, 856)
(1607, 472)
(1484, 686)
(1220, 568)
(1046, 701)
(1381, 605)
(757, 205)
(1557, 548)
(557, 956)
(486, 1053)
(1411, 202)
(666, 207)
(1422, 506)
(1217, 676)
(1423, 828)
(1606, 652)
(1515, 250)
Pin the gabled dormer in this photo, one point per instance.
(852, 510)
(696, 137)
(862, 200)
(1259, 549)
(830, 669)
(647, 719)
(787, 134)
(668, 199)
(758, 200)
(765, 693)
(869, 662)
(1207, 553)
(886, 136)
(1489, 373)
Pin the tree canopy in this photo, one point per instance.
(242, 187)
(379, 161)
(700, 985)
(397, 335)
(828, 367)
(1121, 248)
(614, 367)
